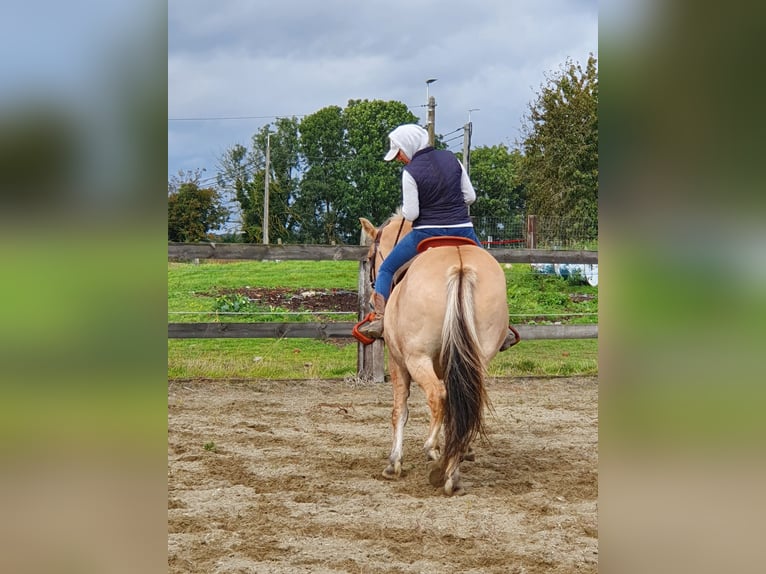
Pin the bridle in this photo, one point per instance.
(376, 252)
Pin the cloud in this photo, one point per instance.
(238, 58)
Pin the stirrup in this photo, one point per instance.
(362, 338)
(505, 346)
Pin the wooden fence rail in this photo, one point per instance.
(370, 358)
(342, 330)
(257, 252)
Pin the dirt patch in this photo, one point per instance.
(279, 477)
(297, 300)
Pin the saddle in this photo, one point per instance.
(444, 241)
(428, 243)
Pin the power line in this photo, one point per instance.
(452, 132)
(209, 119)
(275, 116)
(226, 118)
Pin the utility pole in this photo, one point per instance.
(467, 132)
(266, 191)
(431, 120)
(431, 116)
(467, 128)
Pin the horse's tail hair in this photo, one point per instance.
(463, 366)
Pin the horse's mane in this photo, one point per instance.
(396, 216)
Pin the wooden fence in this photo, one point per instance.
(259, 252)
(370, 358)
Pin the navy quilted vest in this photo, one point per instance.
(438, 174)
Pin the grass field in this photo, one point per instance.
(193, 291)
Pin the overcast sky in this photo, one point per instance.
(256, 60)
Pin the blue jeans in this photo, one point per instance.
(407, 248)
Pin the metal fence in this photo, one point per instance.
(537, 232)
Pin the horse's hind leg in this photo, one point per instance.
(435, 393)
(443, 472)
(400, 381)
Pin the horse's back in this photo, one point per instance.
(416, 309)
(431, 269)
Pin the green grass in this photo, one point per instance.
(538, 298)
(275, 359)
(196, 287)
(260, 359)
(298, 274)
(532, 298)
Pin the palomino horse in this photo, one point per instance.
(444, 321)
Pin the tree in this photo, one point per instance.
(495, 176)
(325, 182)
(286, 166)
(193, 210)
(376, 184)
(560, 165)
(500, 197)
(242, 174)
(236, 177)
(346, 177)
(325, 173)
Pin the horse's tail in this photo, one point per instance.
(463, 366)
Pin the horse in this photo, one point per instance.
(445, 319)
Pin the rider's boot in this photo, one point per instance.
(374, 328)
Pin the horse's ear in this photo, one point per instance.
(368, 229)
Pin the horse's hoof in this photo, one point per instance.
(470, 456)
(392, 472)
(435, 474)
(456, 491)
(453, 488)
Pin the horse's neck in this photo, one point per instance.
(397, 228)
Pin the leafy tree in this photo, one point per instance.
(495, 176)
(346, 177)
(560, 166)
(236, 177)
(376, 184)
(326, 172)
(242, 174)
(192, 210)
(325, 182)
(500, 197)
(286, 166)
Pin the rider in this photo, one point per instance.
(436, 193)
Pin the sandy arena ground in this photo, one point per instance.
(285, 477)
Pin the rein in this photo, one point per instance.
(376, 249)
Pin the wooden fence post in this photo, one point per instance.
(370, 362)
(531, 232)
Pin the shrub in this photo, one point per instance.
(232, 303)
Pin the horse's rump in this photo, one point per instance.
(417, 306)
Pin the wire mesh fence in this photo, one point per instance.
(514, 232)
(501, 232)
(537, 232)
